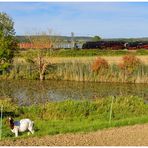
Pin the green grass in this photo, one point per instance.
(78, 116)
(142, 52)
(82, 53)
(85, 125)
(54, 127)
(90, 52)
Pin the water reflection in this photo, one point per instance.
(34, 92)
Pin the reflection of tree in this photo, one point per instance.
(24, 93)
(5, 89)
(36, 92)
(43, 92)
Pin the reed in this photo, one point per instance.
(77, 71)
(83, 70)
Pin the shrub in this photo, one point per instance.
(100, 64)
(130, 64)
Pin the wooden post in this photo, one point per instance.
(110, 114)
(1, 122)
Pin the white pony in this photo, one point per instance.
(21, 126)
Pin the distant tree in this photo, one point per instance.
(96, 38)
(8, 43)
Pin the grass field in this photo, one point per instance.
(83, 53)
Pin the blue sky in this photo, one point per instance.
(108, 20)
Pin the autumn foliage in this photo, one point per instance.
(130, 64)
(100, 64)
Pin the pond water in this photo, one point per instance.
(29, 92)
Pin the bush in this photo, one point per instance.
(130, 64)
(100, 64)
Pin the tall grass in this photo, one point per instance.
(76, 70)
(83, 72)
(122, 107)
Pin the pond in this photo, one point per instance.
(29, 92)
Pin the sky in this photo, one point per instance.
(105, 19)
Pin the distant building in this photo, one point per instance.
(64, 45)
(25, 45)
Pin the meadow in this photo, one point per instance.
(82, 52)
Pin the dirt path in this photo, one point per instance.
(136, 135)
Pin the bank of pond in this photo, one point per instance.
(76, 115)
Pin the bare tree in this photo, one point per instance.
(42, 42)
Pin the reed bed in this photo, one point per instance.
(76, 71)
(81, 70)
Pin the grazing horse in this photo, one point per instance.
(21, 126)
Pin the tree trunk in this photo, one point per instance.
(42, 77)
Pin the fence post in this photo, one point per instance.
(110, 113)
(1, 122)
